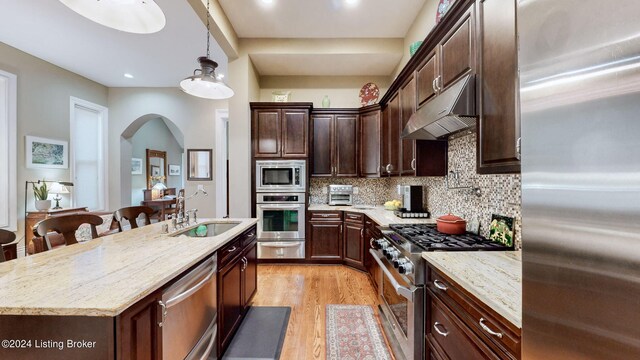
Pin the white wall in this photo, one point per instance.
(421, 27)
(194, 117)
(154, 135)
(44, 92)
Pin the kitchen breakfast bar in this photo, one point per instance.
(110, 297)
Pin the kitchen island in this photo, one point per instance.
(81, 292)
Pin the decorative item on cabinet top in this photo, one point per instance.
(369, 94)
(443, 6)
(281, 96)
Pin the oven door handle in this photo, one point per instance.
(276, 207)
(400, 290)
(280, 244)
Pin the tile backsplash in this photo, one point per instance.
(500, 194)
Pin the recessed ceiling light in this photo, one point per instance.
(134, 16)
(128, 76)
(352, 2)
(267, 1)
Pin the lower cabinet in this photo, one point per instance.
(237, 283)
(324, 237)
(139, 336)
(459, 326)
(353, 240)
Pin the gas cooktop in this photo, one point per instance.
(427, 238)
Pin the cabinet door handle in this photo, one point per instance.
(362, 233)
(439, 285)
(518, 147)
(389, 168)
(440, 332)
(413, 164)
(433, 84)
(164, 313)
(488, 330)
(439, 82)
(232, 249)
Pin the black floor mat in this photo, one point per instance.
(261, 335)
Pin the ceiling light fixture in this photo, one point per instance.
(206, 84)
(128, 76)
(267, 1)
(352, 2)
(133, 16)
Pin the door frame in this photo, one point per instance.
(222, 186)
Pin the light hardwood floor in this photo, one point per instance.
(307, 289)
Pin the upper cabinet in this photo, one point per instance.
(450, 59)
(407, 108)
(499, 122)
(370, 141)
(280, 130)
(335, 143)
(391, 137)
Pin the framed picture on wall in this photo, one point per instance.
(174, 170)
(155, 170)
(136, 166)
(199, 165)
(46, 153)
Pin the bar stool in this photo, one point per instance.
(6, 237)
(131, 214)
(67, 226)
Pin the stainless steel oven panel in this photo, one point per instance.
(280, 249)
(280, 198)
(206, 348)
(412, 342)
(295, 182)
(282, 234)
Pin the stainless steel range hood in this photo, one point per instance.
(451, 111)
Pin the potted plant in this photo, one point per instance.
(41, 193)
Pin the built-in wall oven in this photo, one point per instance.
(281, 225)
(281, 176)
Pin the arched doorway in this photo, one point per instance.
(153, 132)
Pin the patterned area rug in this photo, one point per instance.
(354, 334)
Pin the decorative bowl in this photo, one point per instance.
(414, 47)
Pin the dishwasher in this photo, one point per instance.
(189, 314)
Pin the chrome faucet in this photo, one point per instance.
(182, 215)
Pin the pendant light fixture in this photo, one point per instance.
(204, 83)
(134, 16)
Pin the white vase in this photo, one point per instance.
(43, 205)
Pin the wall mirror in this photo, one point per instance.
(199, 164)
(156, 167)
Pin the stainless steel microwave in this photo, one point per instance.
(281, 175)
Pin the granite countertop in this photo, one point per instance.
(378, 214)
(493, 277)
(104, 276)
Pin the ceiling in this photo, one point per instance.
(49, 30)
(321, 18)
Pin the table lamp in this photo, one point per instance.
(58, 189)
(157, 191)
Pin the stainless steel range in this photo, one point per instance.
(402, 294)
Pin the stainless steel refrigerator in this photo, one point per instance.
(580, 111)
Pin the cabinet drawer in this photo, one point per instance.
(326, 216)
(484, 322)
(455, 341)
(247, 237)
(229, 251)
(354, 217)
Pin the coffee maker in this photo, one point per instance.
(411, 198)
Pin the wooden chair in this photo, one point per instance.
(67, 226)
(131, 214)
(6, 237)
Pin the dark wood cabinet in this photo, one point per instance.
(370, 142)
(267, 133)
(457, 51)
(280, 130)
(426, 75)
(471, 327)
(230, 300)
(372, 233)
(353, 240)
(250, 274)
(335, 143)
(499, 122)
(408, 146)
(237, 283)
(139, 335)
(391, 137)
(324, 236)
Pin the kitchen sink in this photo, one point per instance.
(212, 229)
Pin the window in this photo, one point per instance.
(8, 201)
(89, 154)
